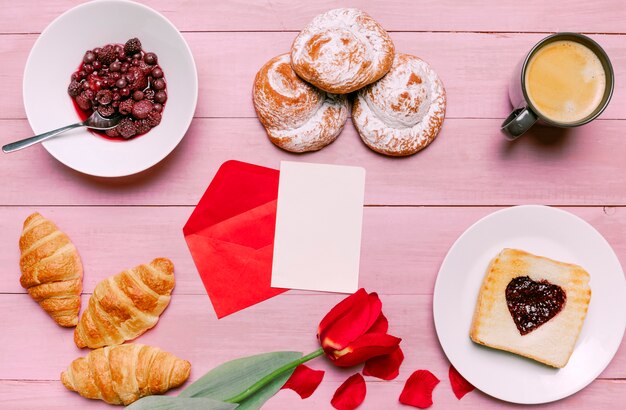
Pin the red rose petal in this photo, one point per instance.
(381, 325)
(460, 386)
(351, 318)
(350, 394)
(365, 347)
(418, 390)
(386, 367)
(304, 381)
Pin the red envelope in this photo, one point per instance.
(231, 236)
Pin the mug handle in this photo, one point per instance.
(518, 122)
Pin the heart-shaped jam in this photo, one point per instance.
(532, 303)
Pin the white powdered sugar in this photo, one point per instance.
(342, 50)
(403, 112)
(297, 116)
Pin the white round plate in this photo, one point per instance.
(59, 51)
(547, 232)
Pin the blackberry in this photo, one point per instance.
(154, 118)
(126, 128)
(132, 46)
(107, 55)
(74, 88)
(112, 133)
(83, 102)
(142, 126)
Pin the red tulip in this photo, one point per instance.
(355, 331)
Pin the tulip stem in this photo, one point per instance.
(267, 379)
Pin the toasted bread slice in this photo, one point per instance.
(551, 342)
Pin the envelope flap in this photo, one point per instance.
(236, 188)
(253, 228)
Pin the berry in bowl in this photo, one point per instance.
(120, 79)
(156, 97)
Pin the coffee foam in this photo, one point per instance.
(565, 81)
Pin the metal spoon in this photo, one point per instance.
(95, 121)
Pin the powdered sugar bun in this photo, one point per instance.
(297, 116)
(403, 112)
(342, 50)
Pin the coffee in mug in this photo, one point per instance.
(566, 80)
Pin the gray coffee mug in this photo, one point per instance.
(525, 115)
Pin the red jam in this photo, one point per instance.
(532, 304)
(120, 79)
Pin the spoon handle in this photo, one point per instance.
(27, 142)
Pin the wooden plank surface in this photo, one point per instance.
(601, 16)
(416, 208)
(601, 394)
(475, 69)
(189, 329)
(110, 239)
(469, 163)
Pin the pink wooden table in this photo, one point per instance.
(416, 207)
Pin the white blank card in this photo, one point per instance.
(317, 244)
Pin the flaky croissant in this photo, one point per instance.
(51, 269)
(125, 305)
(123, 374)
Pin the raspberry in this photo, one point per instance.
(137, 80)
(132, 46)
(126, 128)
(107, 55)
(74, 88)
(142, 126)
(112, 133)
(104, 97)
(141, 109)
(106, 110)
(149, 94)
(154, 118)
(83, 102)
(126, 107)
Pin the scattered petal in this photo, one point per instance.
(365, 347)
(350, 394)
(348, 320)
(460, 386)
(304, 380)
(386, 367)
(418, 390)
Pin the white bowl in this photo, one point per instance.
(59, 51)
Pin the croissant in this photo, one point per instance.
(123, 374)
(125, 305)
(51, 269)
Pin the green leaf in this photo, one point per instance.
(234, 377)
(179, 403)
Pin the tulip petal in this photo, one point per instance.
(348, 320)
(460, 386)
(350, 394)
(304, 381)
(386, 367)
(365, 347)
(381, 325)
(341, 308)
(418, 389)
